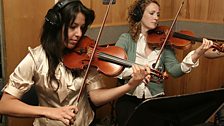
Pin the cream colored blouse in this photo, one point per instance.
(33, 69)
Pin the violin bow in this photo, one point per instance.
(93, 52)
(168, 34)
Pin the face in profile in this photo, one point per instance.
(150, 16)
(75, 31)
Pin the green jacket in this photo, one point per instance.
(167, 62)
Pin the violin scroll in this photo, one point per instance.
(218, 46)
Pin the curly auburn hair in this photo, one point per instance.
(135, 26)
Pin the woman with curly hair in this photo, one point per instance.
(143, 17)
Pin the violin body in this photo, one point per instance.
(157, 36)
(80, 57)
(110, 68)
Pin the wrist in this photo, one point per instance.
(132, 83)
(42, 112)
(198, 52)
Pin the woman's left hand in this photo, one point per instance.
(206, 44)
(140, 73)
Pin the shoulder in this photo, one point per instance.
(125, 40)
(36, 51)
(125, 36)
(38, 54)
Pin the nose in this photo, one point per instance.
(78, 32)
(156, 17)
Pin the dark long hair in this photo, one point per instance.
(135, 27)
(51, 36)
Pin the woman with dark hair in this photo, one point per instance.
(143, 16)
(58, 87)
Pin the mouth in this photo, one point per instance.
(73, 42)
(156, 23)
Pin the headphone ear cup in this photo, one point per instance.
(137, 14)
(53, 17)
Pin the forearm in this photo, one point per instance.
(102, 96)
(196, 55)
(10, 105)
(15, 107)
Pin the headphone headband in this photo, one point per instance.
(53, 15)
(61, 4)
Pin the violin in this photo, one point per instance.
(109, 60)
(180, 40)
(80, 57)
(190, 37)
(157, 36)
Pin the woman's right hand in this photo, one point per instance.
(140, 74)
(66, 114)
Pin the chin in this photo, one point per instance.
(153, 26)
(70, 46)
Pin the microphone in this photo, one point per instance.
(106, 2)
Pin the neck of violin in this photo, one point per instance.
(187, 37)
(126, 63)
(113, 59)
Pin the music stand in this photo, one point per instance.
(180, 110)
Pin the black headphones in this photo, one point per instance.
(137, 13)
(53, 15)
